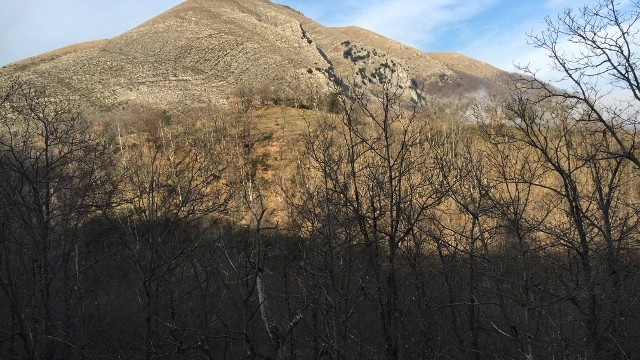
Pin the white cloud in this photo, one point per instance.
(559, 4)
(508, 48)
(416, 22)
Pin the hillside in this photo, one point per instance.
(206, 52)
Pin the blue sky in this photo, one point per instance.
(489, 30)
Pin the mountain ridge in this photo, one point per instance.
(205, 52)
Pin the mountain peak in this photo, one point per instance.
(203, 52)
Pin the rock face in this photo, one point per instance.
(208, 51)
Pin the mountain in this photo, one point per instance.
(208, 52)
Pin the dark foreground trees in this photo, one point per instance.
(53, 179)
(568, 222)
(588, 138)
(367, 186)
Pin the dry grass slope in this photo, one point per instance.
(203, 52)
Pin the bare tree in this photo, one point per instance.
(594, 49)
(170, 194)
(53, 172)
(464, 227)
(375, 163)
(335, 281)
(590, 220)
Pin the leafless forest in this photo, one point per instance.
(506, 228)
